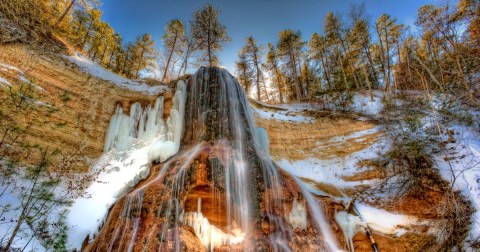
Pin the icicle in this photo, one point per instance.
(298, 215)
(350, 225)
(211, 236)
(161, 150)
(140, 125)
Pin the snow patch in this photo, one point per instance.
(5, 83)
(385, 222)
(330, 171)
(460, 165)
(281, 116)
(362, 103)
(98, 71)
(20, 76)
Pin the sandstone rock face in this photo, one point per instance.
(221, 192)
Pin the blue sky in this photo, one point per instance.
(262, 18)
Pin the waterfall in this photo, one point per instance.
(222, 187)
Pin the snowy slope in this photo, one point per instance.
(96, 70)
(460, 165)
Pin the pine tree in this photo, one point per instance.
(335, 36)
(318, 51)
(207, 31)
(244, 72)
(384, 27)
(253, 54)
(272, 65)
(290, 46)
(173, 40)
(143, 54)
(93, 21)
(361, 40)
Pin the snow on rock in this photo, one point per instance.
(20, 75)
(361, 103)
(378, 220)
(87, 214)
(331, 171)
(97, 71)
(5, 83)
(6, 67)
(460, 165)
(131, 143)
(385, 222)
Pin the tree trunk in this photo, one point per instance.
(432, 76)
(382, 57)
(368, 82)
(295, 76)
(257, 79)
(64, 13)
(279, 84)
(389, 88)
(87, 35)
(169, 57)
(372, 66)
(209, 44)
(326, 73)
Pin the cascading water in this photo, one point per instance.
(221, 190)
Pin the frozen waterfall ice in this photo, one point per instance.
(131, 142)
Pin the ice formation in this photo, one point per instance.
(350, 225)
(298, 215)
(211, 236)
(129, 142)
(161, 150)
(140, 124)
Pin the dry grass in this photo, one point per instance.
(81, 105)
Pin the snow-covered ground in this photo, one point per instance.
(5, 83)
(293, 112)
(460, 165)
(362, 103)
(97, 71)
(281, 115)
(10, 211)
(119, 173)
